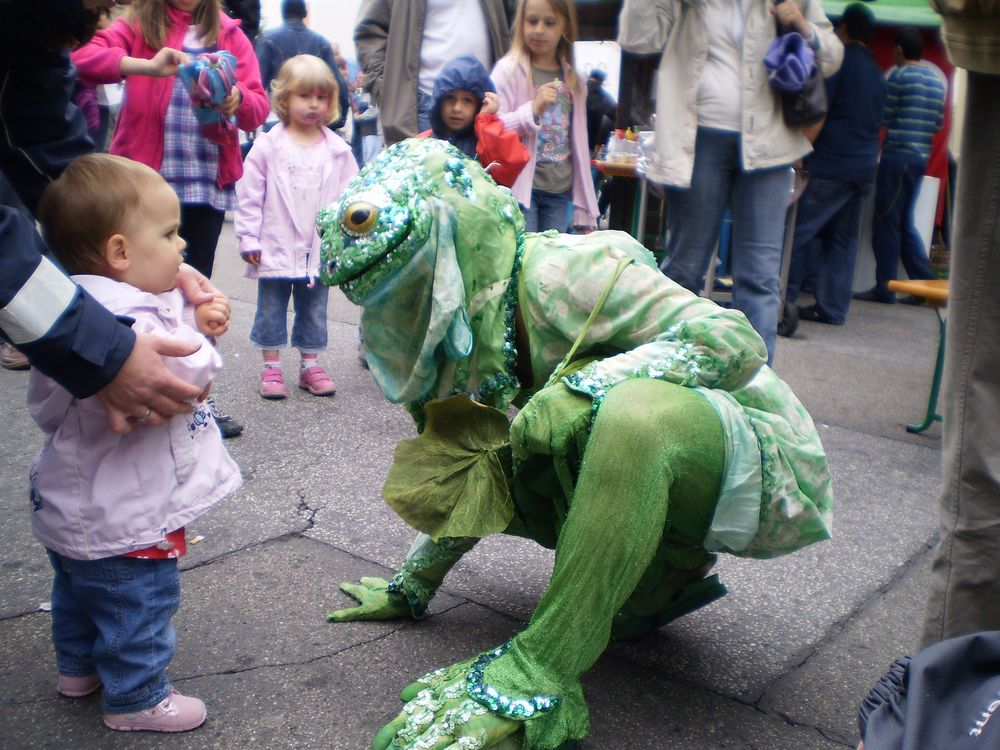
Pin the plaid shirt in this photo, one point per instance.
(191, 161)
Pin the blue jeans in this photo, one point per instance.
(758, 201)
(548, 211)
(894, 238)
(270, 324)
(829, 210)
(112, 616)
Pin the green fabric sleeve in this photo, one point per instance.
(648, 327)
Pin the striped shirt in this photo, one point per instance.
(914, 111)
(191, 161)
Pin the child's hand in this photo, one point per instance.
(212, 318)
(253, 258)
(491, 104)
(545, 97)
(231, 103)
(195, 286)
(165, 62)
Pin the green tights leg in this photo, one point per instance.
(654, 461)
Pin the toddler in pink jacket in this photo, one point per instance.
(111, 508)
(292, 171)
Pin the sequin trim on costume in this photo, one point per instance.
(424, 730)
(684, 367)
(499, 389)
(456, 176)
(408, 582)
(518, 709)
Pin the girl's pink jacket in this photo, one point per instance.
(139, 132)
(516, 93)
(265, 218)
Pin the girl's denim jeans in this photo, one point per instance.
(112, 616)
(270, 323)
(548, 211)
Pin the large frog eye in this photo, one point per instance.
(359, 218)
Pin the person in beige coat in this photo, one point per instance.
(721, 141)
(965, 588)
(402, 45)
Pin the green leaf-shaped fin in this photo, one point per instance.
(449, 481)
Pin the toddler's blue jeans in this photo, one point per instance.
(112, 616)
(270, 324)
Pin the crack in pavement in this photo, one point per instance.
(304, 509)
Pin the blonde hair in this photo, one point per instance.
(151, 15)
(564, 51)
(304, 73)
(89, 202)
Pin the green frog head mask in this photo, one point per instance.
(427, 244)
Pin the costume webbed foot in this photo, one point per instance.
(440, 715)
(375, 602)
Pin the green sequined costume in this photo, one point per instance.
(666, 440)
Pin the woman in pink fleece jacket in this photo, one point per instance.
(157, 124)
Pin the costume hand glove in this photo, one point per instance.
(555, 420)
(440, 715)
(375, 603)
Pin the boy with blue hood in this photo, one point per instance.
(464, 114)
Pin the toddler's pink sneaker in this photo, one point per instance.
(175, 713)
(78, 687)
(272, 383)
(315, 380)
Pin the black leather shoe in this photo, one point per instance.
(813, 315)
(873, 295)
(910, 299)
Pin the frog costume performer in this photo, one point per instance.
(650, 435)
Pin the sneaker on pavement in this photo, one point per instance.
(315, 380)
(11, 358)
(78, 687)
(175, 713)
(272, 383)
(874, 295)
(228, 426)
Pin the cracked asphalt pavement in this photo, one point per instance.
(780, 663)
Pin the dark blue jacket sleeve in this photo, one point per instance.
(325, 52)
(86, 346)
(344, 98)
(42, 130)
(265, 58)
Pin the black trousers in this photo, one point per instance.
(201, 226)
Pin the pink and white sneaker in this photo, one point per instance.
(272, 383)
(175, 713)
(78, 687)
(315, 380)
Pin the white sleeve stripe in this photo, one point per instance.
(38, 304)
